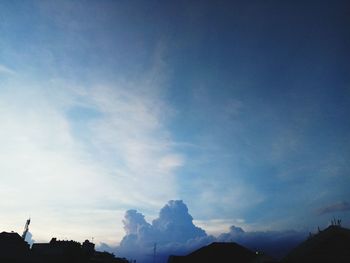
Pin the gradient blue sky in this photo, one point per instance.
(238, 108)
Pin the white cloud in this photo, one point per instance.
(176, 233)
(58, 172)
(217, 226)
(6, 70)
(131, 133)
(172, 231)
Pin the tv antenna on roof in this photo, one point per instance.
(26, 229)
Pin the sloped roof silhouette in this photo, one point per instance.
(12, 247)
(329, 245)
(11, 239)
(218, 252)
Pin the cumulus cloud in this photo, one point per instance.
(172, 232)
(104, 247)
(176, 223)
(336, 207)
(133, 221)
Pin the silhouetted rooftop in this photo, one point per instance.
(12, 247)
(329, 245)
(219, 252)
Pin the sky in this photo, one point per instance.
(235, 111)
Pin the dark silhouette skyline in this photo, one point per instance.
(14, 249)
(222, 252)
(172, 233)
(327, 246)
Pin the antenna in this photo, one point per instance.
(26, 229)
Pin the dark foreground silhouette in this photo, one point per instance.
(13, 249)
(331, 245)
(221, 252)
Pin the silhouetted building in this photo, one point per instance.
(12, 247)
(106, 257)
(88, 248)
(221, 252)
(329, 245)
(59, 251)
(62, 251)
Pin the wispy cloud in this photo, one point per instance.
(6, 70)
(136, 146)
(336, 207)
(81, 151)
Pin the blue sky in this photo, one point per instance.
(238, 108)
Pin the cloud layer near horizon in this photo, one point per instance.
(173, 233)
(335, 207)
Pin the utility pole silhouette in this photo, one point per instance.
(154, 252)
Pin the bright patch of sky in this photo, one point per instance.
(240, 109)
